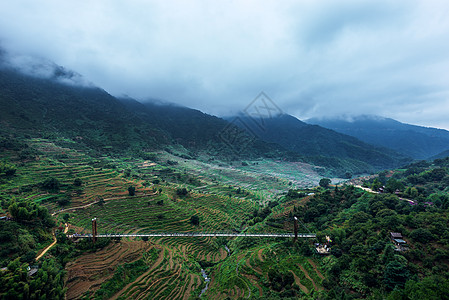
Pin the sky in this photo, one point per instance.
(313, 58)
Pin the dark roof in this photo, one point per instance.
(395, 235)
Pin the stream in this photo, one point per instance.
(227, 249)
(206, 279)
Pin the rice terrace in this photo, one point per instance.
(224, 150)
(148, 236)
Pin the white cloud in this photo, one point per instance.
(311, 57)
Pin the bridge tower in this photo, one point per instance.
(296, 229)
(94, 230)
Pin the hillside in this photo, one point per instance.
(259, 197)
(71, 154)
(44, 107)
(443, 154)
(105, 124)
(321, 143)
(199, 132)
(415, 141)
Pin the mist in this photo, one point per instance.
(312, 58)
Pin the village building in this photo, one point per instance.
(398, 241)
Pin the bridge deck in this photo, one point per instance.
(197, 234)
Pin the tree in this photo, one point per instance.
(195, 220)
(393, 185)
(422, 235)
(181, 192)
(376, 185)
(412, 192)
(131, 190)
(7, 169)
(77, 182)
(325, 182)
(66, 217)
(396, 274)
(51, 184)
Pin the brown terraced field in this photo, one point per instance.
(223, 197)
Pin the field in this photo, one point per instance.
(226, 196)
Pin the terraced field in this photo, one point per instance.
(89, 271)
(246, 274)
(264, 178)
(172, 276)
(224, 198)
(66, 164)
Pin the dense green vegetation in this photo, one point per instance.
(426, 183)
(123, 164)
(364, 260)
(101, 124)
(47, 283)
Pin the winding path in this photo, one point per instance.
(375, 192)
(52, 244)
(95, 202)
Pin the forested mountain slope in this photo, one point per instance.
(415, 141)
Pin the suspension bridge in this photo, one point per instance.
(195, 234)
(94, 235)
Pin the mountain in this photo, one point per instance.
(319, 142)
(46, 107)
(50, 107)
(411, 140)
(198, 131)
(440, 155)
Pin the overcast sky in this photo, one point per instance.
(313, 58)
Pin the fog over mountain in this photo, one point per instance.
(313, 58)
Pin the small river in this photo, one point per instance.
(207, 280)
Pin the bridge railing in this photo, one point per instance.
(194, 234)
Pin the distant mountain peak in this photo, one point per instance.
(416, 141)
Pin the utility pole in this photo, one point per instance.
(296, 229)
(94, 230)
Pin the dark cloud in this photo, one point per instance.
(312, 58)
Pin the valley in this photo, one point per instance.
(182, 213)
(223, 196)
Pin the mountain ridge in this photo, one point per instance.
(314, 140)
(415, 141)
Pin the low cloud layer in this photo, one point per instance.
(313, 58)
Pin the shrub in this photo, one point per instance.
(77, 182)
(325, 182)
(51, 184)
(131, 190)
(181, 191)
(195, 220)
(422, 235)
